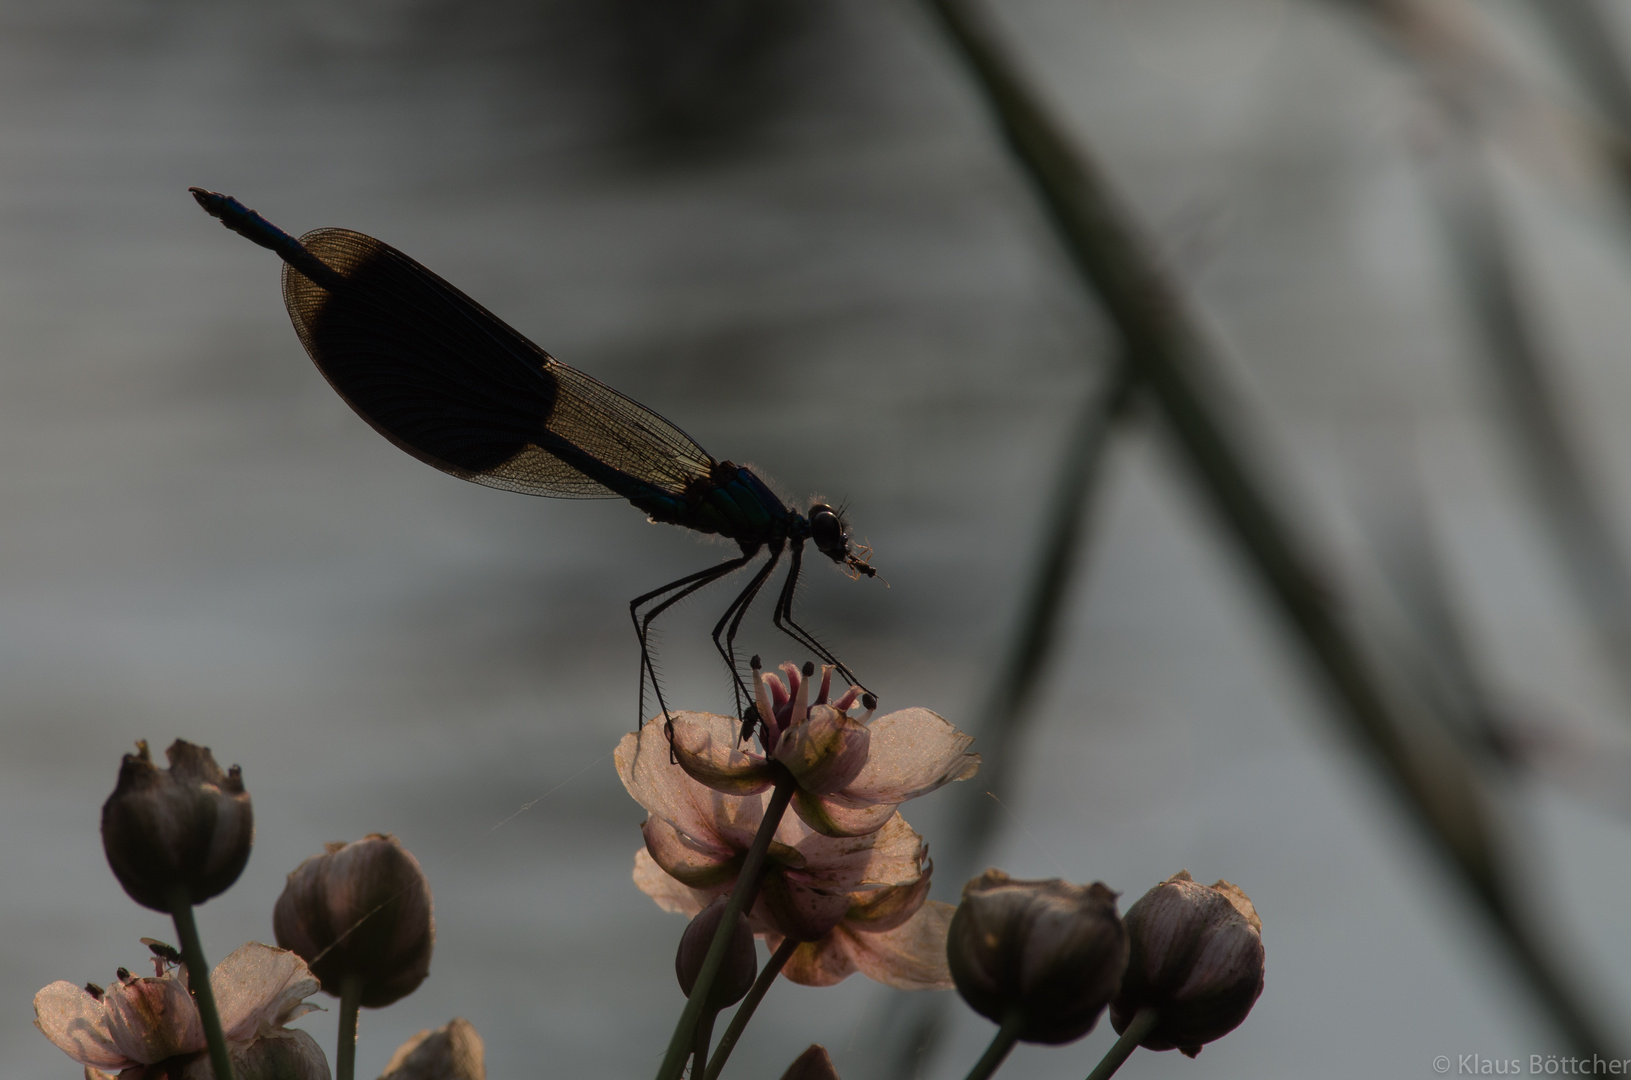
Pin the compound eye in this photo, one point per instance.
(827, 530)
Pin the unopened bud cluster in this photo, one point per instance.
(1044, 958)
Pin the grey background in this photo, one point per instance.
(824, 264)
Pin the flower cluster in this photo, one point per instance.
(846, 879)
(1045, 958)
(836, 887)
(151, 1021)
(354, 922)
(841, 885)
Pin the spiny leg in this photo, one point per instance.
(687, 585)
(733, 614)
(783, 618)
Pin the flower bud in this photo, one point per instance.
(825, 752)
(736, 975)
(177, 834)
(1197, 959)
(452, 1052)
(1048, 950)
(814, 1064)
(289, 1054)
(360, 910)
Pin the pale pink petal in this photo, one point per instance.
(826, 752)
(818, 963)
(706, 816)
(669, 893)
(884, 909)
(709, 749)
(910, 957)
(690, 862)
(77, 1023)
(152, 1019)
(893, 855)
(259, 988)
(913, 752)
(826, 816)
(282, 1055)
(796, 910)
(681, 899)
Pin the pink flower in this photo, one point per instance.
(138, 1022)
(851, 775)
(856, 903)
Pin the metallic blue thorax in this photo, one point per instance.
(732, 502)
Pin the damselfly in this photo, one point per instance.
(453, 385)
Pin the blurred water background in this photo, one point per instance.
(792, 229)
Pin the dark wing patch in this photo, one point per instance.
(453, 385)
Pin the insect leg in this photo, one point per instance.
(783, 618)
(733, 614)
(686, 585)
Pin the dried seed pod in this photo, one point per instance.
(451, 1052)
(814, 1064)
(181, 833)
(1049, 951)
(1197, 959)
(360, 910)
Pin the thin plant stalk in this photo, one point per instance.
(1512, 347)
(747, 886)
(1002, 1042)
(1427, 774)
(1144, 1021)
(699, 1049)
(1585, 34)
(345, 1049)
(1471, 89)
(1036, 630)
(198, 981)
(909, 1025)
(744, 1011)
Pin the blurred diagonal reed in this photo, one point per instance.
(1061, 548)
(1585, 35)
(1466, 87)
(1442, 789)
(909, 1023)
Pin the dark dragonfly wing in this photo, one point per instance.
(453, 385)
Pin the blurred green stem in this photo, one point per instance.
(345, 1049)
(680, 1044)
(1001, 1043)
(744, 1011)
(1426, 772)
(198, 981)
(1144, 1021)
(699, 1045)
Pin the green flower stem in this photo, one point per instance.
(744, 1012)
(1144, 1021)
(747, 886)
(699, 1049)
(198, 981)
(1002, 1042)
(345, 1050)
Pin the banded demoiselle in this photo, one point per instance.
(452, 384)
